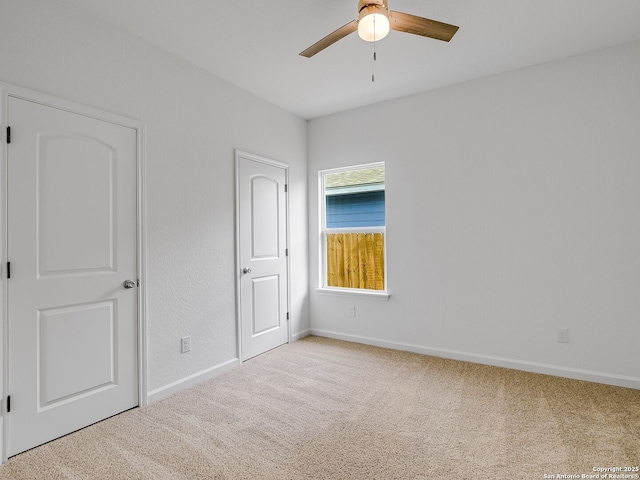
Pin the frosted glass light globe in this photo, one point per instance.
(373, 27)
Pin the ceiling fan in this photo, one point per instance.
(374, 21)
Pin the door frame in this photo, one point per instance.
(284, 166)
(8, 90)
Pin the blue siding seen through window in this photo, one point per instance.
(356, 210)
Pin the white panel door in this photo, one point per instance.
(71, 229)
(262, 211)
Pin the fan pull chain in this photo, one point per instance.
(373, 64)
(373, 67)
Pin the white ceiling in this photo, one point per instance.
(255, 44)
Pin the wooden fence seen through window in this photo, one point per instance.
(355, 260)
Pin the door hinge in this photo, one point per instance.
(8, 403)
(287, 315)
(8, 270)
(286, 252)
(8, 134)
(286, 188)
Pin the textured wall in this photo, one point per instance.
(194, 122)
(512, 210)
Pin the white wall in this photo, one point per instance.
(513, 209)
(194, 121)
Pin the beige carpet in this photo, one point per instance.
(324, 409)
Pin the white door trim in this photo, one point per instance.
(7, 90)
(285, 167)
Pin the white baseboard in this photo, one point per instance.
(191, 380)
(589, 376)
(299, 335)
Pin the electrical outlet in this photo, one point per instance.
(563, 335)
(185, 344)
(352, 311)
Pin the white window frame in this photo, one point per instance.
(323, 231)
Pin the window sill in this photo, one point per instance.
(348, 292)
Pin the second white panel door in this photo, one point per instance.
(262, 256)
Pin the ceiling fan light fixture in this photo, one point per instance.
(373, 23)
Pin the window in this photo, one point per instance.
(353, 228)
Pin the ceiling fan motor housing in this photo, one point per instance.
(367, 3)
(368, 7)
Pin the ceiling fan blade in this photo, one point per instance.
(330, 39)
(404, 22)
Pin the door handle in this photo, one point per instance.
(129, 284)
(246, 270)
